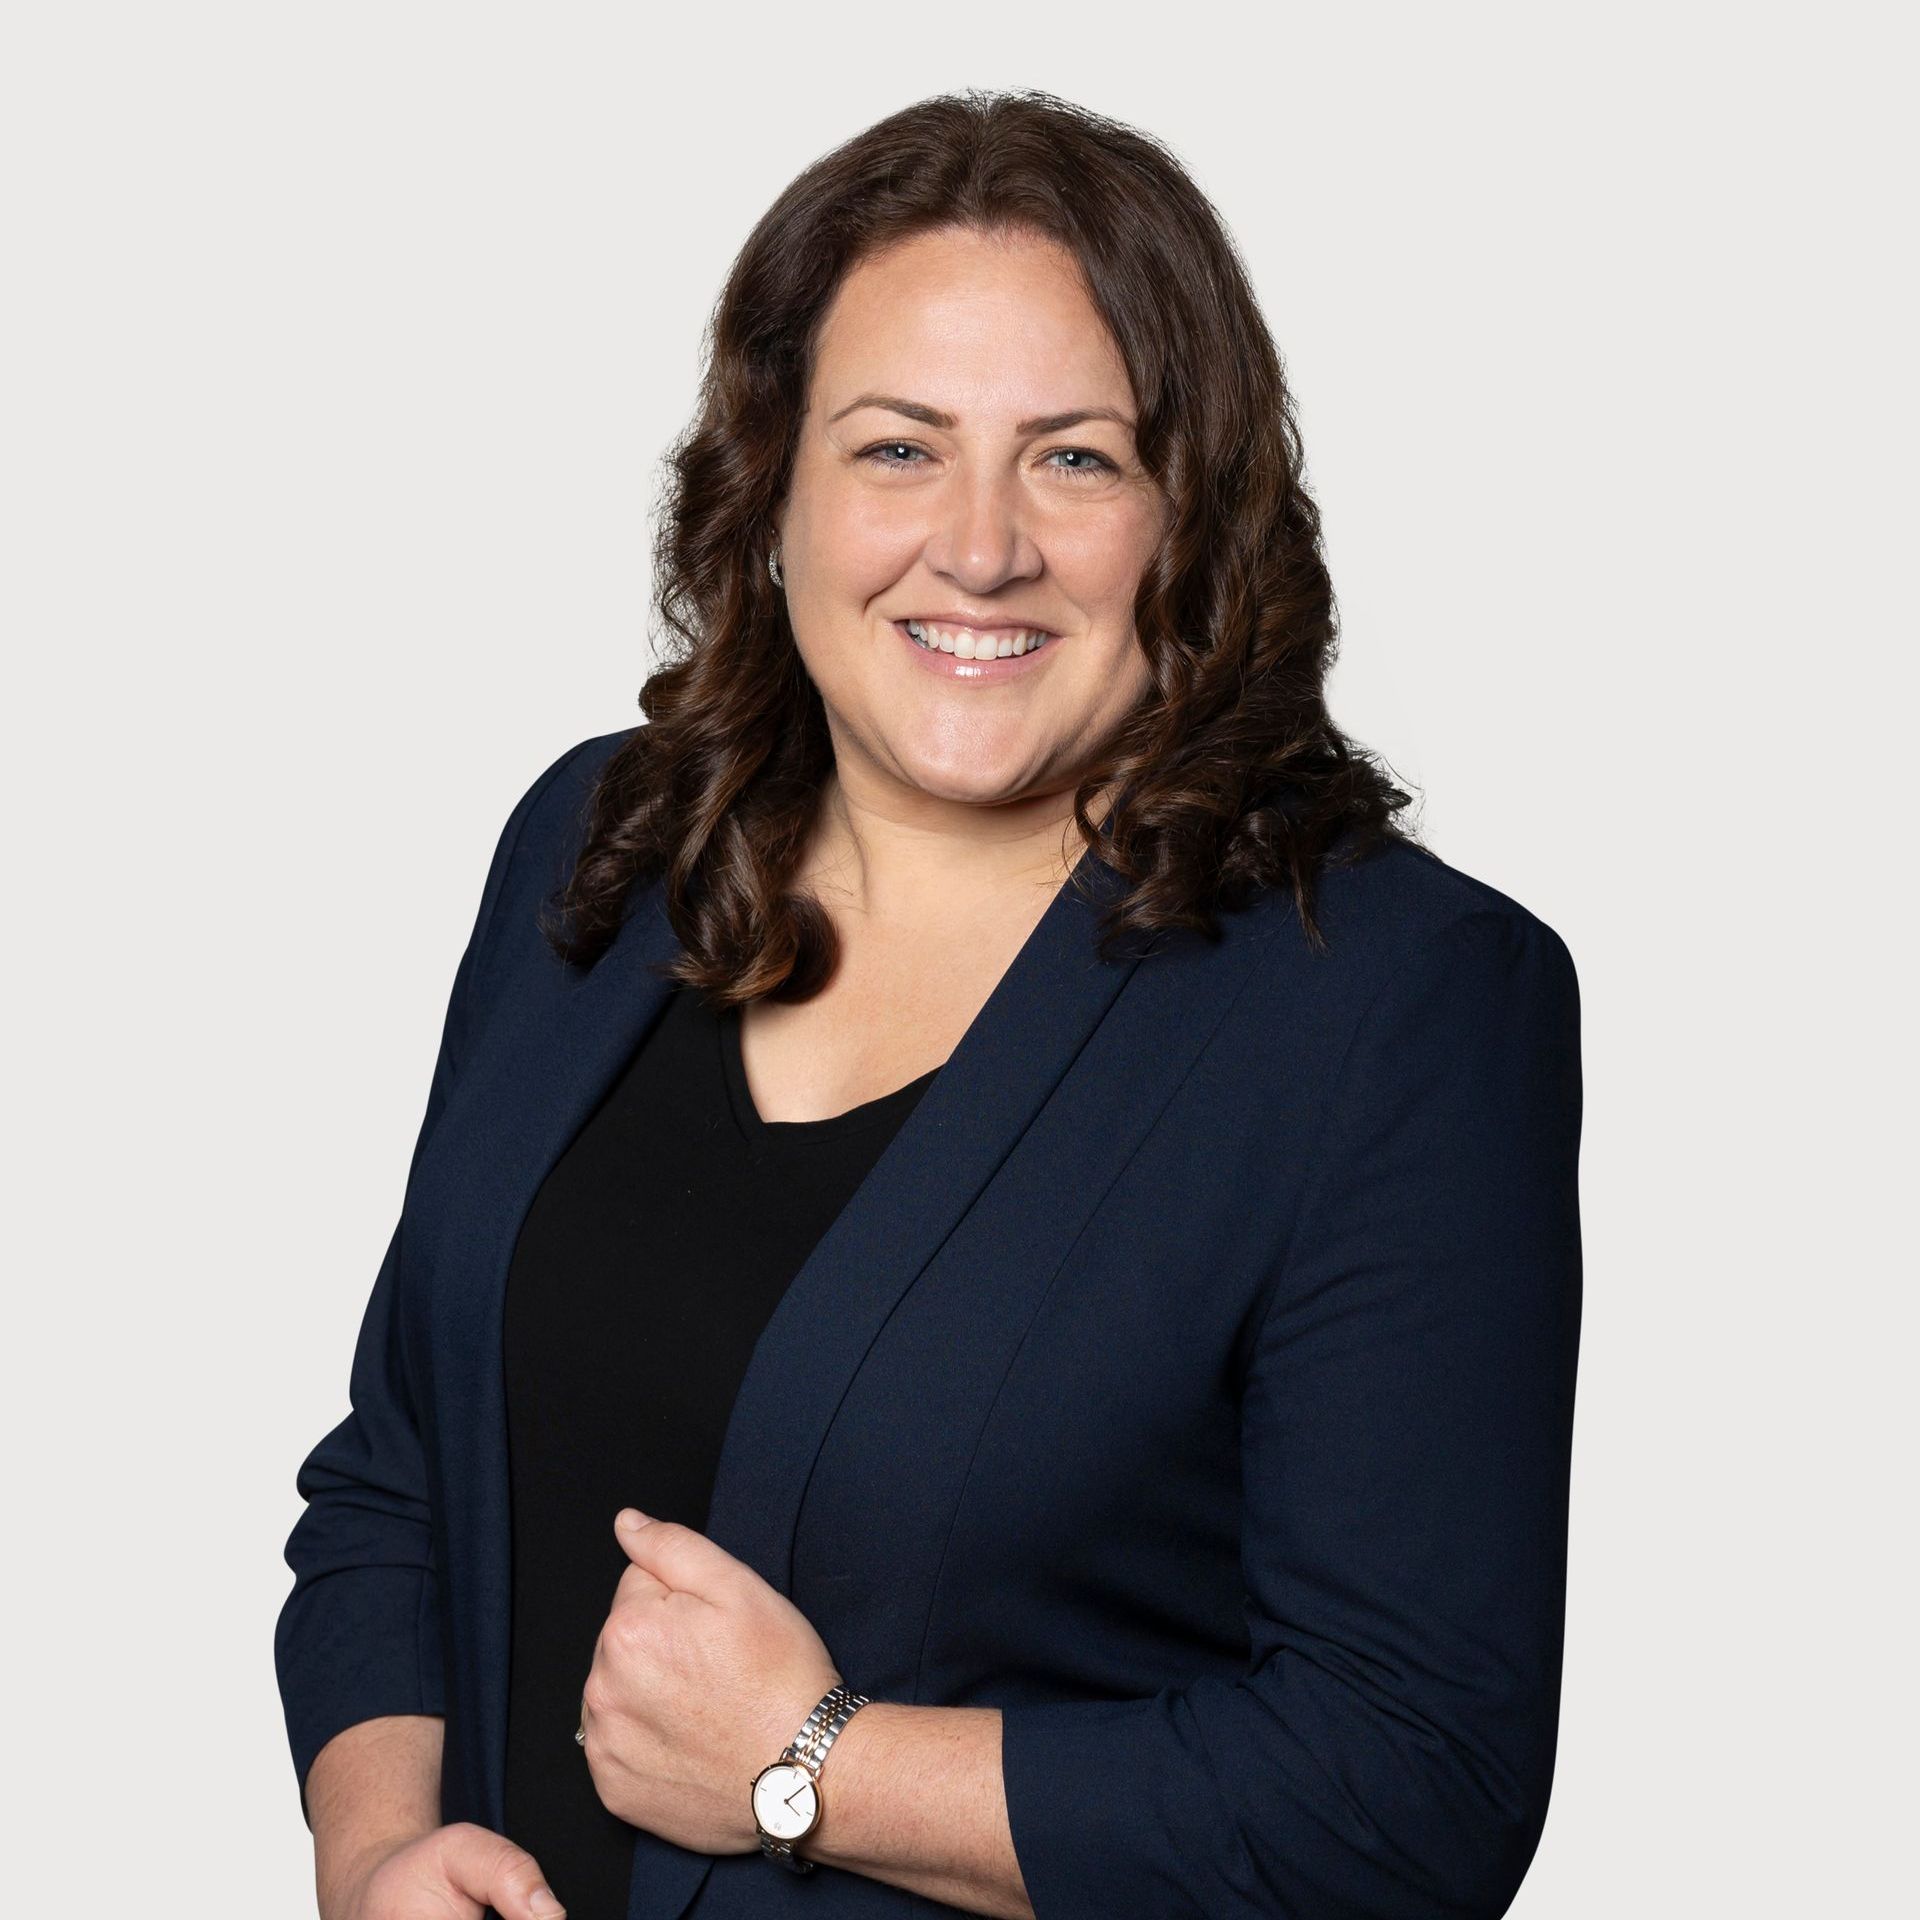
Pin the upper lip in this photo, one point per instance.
(976, 626)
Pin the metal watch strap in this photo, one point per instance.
(808, 1748)
(822, 1726)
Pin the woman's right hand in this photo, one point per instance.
(461, 1870)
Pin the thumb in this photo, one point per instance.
(680, 1557)
(489, 1868)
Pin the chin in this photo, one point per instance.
(968, 787)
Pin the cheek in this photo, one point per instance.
(1099, 559)
(1116, 677)
(857, 540)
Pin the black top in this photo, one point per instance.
(654, 1253)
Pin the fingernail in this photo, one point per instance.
(544, 1902)
(629, 1517)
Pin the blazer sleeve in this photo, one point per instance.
(1406, 1445)
(358, 1636)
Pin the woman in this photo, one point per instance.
(979, 1197)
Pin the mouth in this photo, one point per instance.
(975, 643)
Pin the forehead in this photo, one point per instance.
(984, 326)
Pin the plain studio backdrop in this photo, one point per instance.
(340, 349)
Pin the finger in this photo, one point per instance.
(682, 1558)
(487, 1867)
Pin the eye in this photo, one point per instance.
(886, 453)
(1099, 461)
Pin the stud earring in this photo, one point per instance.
(773, 567)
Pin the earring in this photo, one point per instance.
(773, 567)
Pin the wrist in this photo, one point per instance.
(789, 1794)
(342, 1870)
(845, 1799)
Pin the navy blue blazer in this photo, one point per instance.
(1192, 1379)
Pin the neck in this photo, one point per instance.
(886, 852)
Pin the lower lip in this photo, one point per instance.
(949, 666)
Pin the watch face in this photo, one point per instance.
(785, 1800)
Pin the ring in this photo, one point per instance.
(580, 1734)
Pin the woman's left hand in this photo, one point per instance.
(701, 1675)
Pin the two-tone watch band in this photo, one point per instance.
(808, 1748)
(822, 1726)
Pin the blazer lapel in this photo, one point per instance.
(972, 1114)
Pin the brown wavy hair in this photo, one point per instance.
(1227, 777)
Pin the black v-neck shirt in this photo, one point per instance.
(652, 1257)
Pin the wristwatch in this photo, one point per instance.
(786, 1795)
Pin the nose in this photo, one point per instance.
(982, 541)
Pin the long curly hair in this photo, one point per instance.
(1227, 777)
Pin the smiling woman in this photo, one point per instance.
(988, 1295)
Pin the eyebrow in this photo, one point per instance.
(933, 417)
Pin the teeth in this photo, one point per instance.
(964, 644)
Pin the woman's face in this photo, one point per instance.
(966, 463)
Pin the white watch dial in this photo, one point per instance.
(785, 1801)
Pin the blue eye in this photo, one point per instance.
(887, 449)
(1101, 464)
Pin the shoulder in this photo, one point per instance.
(1404, 901)
(554, 801)
(543, 833)
(1403, 926)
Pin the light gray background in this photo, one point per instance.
(340, 348)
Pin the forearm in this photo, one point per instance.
(372, 1788)
(913, 1796)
